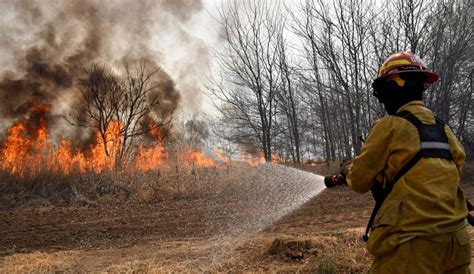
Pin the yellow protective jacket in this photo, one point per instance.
(427, 200)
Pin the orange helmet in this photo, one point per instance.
(403, 62)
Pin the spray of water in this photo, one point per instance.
(259, 204)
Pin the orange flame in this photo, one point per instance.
(194, 158)
(200, 160)
(259, 160)
(15, 149)
(23, 150)
(104, 154)
(66, 162)
(151, 158)
(27, 151)
(221, 156)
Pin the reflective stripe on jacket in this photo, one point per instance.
(427, 200)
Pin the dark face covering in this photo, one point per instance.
(392, 96)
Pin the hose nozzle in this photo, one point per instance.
(334, 180)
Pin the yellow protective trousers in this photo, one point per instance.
(447, 253)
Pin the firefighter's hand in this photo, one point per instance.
(344, 167)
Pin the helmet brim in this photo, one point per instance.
(431, 77)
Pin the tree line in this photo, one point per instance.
(296, 81)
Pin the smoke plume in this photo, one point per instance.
(46, 44)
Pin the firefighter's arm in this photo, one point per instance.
(373, 157)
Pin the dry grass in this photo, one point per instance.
(307, 250)
(334, 253)
(341, 252)
(91, 189)
(38, 262)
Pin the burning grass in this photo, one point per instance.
(39, 169)
(28, 151)
(36, 170)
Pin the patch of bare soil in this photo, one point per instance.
(238, 227)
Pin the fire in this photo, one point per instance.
(255, 161)
(199, 160)
(66, 162)
(27, 151)
(221, 156)
(150, 158)
(276, 158)
(99, 158)
(23, 149)
(104, 154)
(15, 149)
(194, 158)
(259, 160)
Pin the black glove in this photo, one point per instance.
(344, 167)
(334, 180)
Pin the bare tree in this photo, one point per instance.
(450, 48)
(336, 39)
(195, 132)
(128, 105)
(412, 19)
(140, 98)
(250, 65)
(288, 99)
(100, 91)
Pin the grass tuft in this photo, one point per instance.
(327, 265)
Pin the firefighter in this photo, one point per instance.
(412, 163)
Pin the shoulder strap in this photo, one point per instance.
(433, 139)
(410, 117)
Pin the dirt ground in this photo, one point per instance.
(320, 234)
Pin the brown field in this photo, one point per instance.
(218, 219)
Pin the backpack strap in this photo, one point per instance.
(433, 139)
